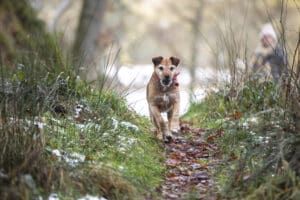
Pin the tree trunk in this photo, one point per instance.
(86, 45)
(196, 23)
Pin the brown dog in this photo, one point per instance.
(163, 96)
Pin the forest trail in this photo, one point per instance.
(190, 160)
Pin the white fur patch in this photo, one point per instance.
(166, 98)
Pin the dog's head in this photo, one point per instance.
(165, 69)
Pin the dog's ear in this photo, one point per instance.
(175, 61)
(157, 60)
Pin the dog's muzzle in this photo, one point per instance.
(166, 81)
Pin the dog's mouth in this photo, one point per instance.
(166, 82)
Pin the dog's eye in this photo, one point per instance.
(161, 68)
(172, 68)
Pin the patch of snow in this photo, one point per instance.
(20, 66)
(260, 138)
(267, 140)
(53, 196)
(80, 126)
(125, 143)
(253, 120)
(245, 125)
(3, 175)
(90, 197)
(184, 77)
(73, 159)
(90, 126)
(78, 109)
(223, 76)
(140, 75)
(252, 133)
(39, 198)
(184, 101)
(122, 149)
(115, 123)
(126, 140)
(205, 74)
(56, 152)
(137, 100)
(129, 126)
(39, 123)
(55, 120)
(199, 94)
(106, 134)
(112, 71)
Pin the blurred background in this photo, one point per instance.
(118, 38)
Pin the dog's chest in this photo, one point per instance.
(166, 101)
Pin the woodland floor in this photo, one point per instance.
(190, 159)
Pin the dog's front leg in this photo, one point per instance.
(173, 118)
(156, 125)
(162, 130)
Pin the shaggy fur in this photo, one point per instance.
(163, 96)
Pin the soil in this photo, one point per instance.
(190, 160)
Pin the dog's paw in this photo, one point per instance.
(168, 137)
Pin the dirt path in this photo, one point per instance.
(190, 160)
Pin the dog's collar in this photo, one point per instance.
(175, 82)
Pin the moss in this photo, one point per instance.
(23, 32)
(24, 13)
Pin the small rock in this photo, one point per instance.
(28, 180)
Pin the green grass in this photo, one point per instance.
(104, 137)
(123, 160)
(210, 113)
(258, 141)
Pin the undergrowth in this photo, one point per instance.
(258, 143)
(58, 134)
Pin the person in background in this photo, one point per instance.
(269, 59)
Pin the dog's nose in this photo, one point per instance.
(166, 80)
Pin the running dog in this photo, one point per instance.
(163, 96)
